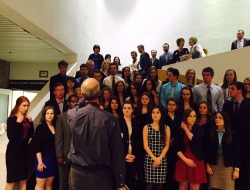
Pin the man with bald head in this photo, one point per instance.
(96, 150)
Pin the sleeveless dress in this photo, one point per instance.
(184, 173)
(155, 175)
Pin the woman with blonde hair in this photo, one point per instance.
(190, 78)
(196, 50)
(105, 67)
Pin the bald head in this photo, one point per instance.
(90, 89)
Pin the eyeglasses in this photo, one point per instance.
(246, 84)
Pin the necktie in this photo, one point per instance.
(172, 92)
(209, 96)
(113, 83)
(236, 108)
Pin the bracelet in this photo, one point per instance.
(40, 164)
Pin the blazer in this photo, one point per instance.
(144, 62)
(230, 152)
(62, 137)
(245, 43)
(195, 143)
(156, 63)
(57, 79)
(163, 60)
(54, 104)
(136, 137)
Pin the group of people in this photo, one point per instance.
(105, 129)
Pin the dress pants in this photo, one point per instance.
(64, 176)
(83, 178)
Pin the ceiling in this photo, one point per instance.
(19, 46)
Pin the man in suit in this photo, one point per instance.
(155, 61)
(61, 77)
(239, 110)
(166, 57)
(83, 75)
(240, 42)
(58, 102)
(144, 62)
(62, 143)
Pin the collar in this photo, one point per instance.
(222, 131)
(59, 102)
(92, 104)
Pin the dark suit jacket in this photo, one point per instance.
(144, 62)
(62, 137)
(57, 79)
(156, 63)
(230, 152)
(234, 43)
(241, 124)
(195, 143)
(136, 136)
(54, 104)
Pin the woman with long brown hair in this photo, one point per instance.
(19, 131)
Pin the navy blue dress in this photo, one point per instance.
(45, 143)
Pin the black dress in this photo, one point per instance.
(17, 149)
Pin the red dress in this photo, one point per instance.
(184, 173)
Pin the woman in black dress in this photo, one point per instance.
(19, 131)
(45, 162)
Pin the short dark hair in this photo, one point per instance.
(208, 70)
(96, 46)
(240, 86)
(153, 50)
(174, 71)
(62, 63)
(72, 96)
(56, 85)
(113, 64)
(70, 78)
(84, 65)
(140, 46)
(178, 41)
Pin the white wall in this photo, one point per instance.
(119, 26)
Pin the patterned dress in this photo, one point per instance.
(158, 174)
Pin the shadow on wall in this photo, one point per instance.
(120, 8)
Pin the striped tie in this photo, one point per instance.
(172, 91)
